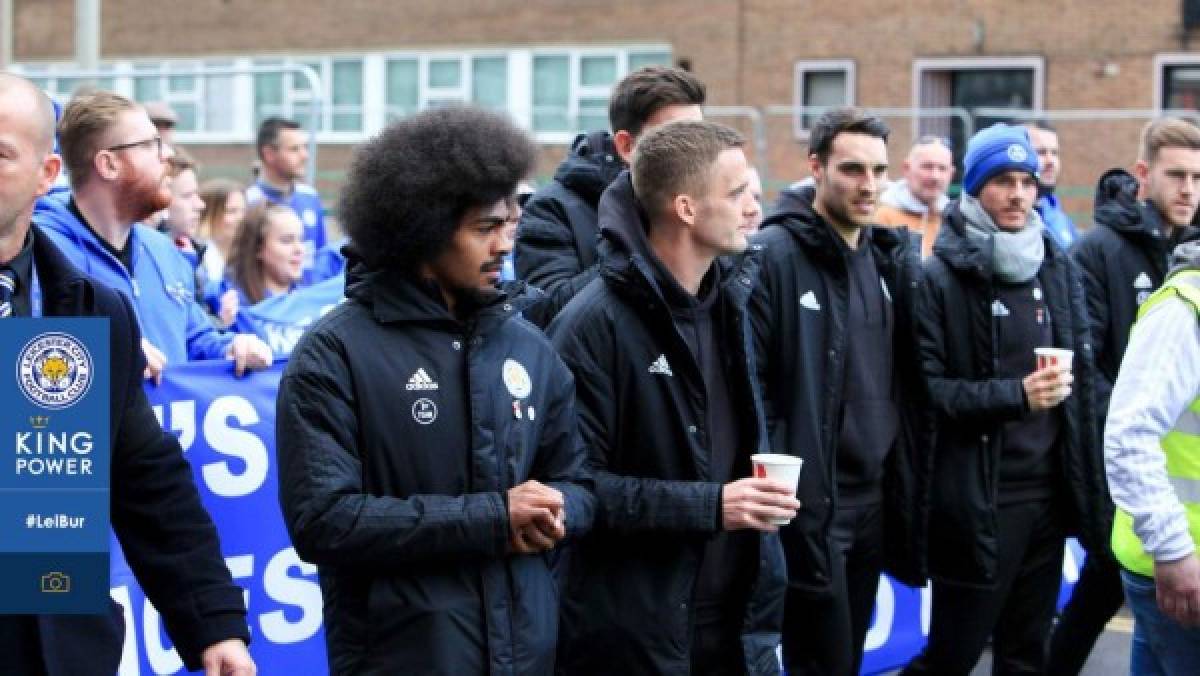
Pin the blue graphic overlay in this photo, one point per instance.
(54, 473)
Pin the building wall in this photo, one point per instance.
(1095, 55)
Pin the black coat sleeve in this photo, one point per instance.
(166, 534)
(625, 504)
(986, 401)
(546, 255)
(1089, 257)
(331, 518)
(562, 458)
(760, 312)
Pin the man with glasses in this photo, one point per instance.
(118, 178)
(918, 200)
(168, 538)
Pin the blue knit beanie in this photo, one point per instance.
(995, 150)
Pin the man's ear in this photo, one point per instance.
(624, 142)
(51, 165)
(104, 165)
(814, 167)
(1141, 171)
(685, 208)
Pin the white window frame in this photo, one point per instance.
(802, 69)
(577, 91)
(1159, 80)
(1035, 63)
(291, 96)
(519, 86)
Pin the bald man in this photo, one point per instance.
(167, 536)
(917, 201)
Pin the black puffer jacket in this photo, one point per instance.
(799, 313)
(958, 357)
(558, 238)
(629, 605)
(400, 430)
(1123, 259)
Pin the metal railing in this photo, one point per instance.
(313, 80)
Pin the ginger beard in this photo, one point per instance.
(143, 195)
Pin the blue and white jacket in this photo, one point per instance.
(1058, 223)
(306, 202)
(162, 286)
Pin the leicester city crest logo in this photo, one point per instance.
(1017, 153)
(54, 370)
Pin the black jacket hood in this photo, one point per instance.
(794, 212)
(1117, 207)
(591, 165)
(631, 262)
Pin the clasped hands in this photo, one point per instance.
(536, 518)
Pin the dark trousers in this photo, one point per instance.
(1097, 596)
(717, 647)
(1017, 612)
(824, 636)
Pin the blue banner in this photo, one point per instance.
(226, 427)
(54, 519)
(281, 320)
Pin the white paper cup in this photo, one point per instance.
(1053, 356)
(778, 467)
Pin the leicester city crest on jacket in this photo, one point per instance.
(516, 379)
(54, 370)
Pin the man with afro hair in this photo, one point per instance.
(428, 454)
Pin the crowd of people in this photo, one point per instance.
(554, 473)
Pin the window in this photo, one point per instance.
(418, 81)
(1177, 82)
(820, 84)
(61, 87)
(403, 88)
(1015, 83)
(203, 103)
(571, 90)
(553, 91)
(289, 94)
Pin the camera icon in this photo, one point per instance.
(56, 583)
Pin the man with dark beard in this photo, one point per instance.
(118, 178)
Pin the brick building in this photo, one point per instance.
(550, 63)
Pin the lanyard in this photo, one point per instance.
(35, 294)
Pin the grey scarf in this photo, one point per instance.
(1016, 256)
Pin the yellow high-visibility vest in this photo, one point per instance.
(1181, 445)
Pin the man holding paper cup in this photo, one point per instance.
(683, 572)
(1008, 364)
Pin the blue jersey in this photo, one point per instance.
(306, 202)
(1057, 221)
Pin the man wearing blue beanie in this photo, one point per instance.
(1016, 461)
(995, 150)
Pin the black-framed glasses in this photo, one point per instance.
(153, 141)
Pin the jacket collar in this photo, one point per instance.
(796, 215)
(397, 298)
(971, 257)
